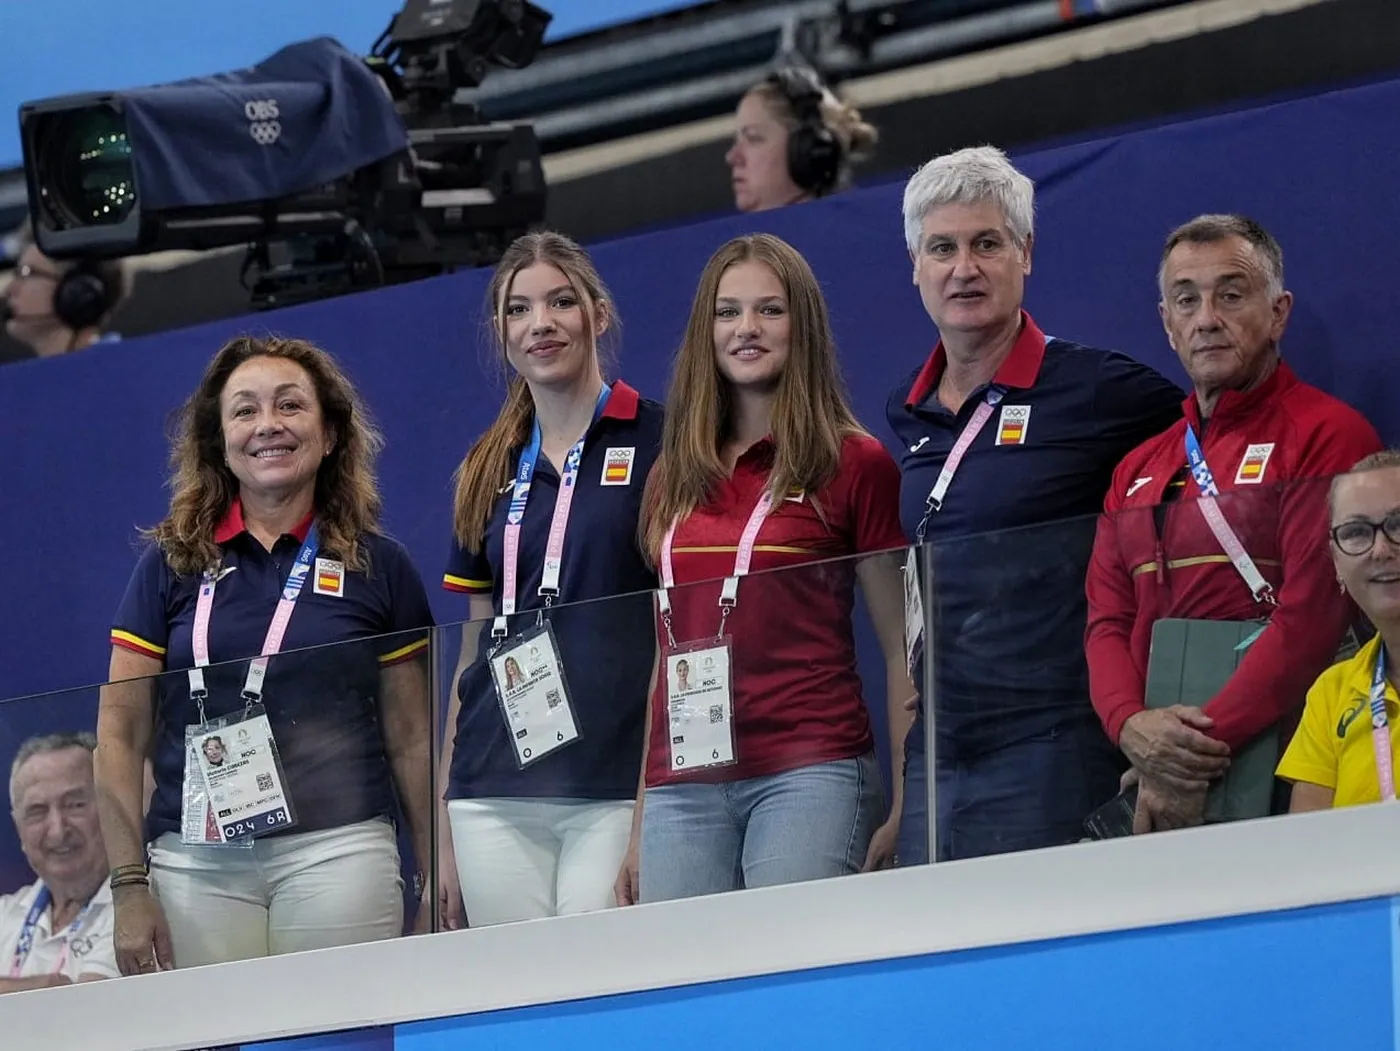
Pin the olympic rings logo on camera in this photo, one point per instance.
(263, 124)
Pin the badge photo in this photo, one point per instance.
(1254, 464)
(330, 578)
(1011, 429)
(617, 465)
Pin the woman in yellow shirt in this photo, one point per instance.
(1343, 752)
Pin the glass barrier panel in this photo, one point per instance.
(252, 809)
(764, 722)
(1138, 671)
(1019, 758)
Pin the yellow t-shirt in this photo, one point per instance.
(1333, 747)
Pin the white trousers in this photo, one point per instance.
(308, 890)
(525, 859)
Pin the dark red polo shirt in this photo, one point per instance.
(797, 694)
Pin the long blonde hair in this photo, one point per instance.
(811, 413)
(487, 465)
(203, 487)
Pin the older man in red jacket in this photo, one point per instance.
(1222, 517)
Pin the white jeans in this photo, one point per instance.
(524, 859)
(308, 890)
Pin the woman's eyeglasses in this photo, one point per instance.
(1358, 536)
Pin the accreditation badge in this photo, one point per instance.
(243, 777)
(700, 705)
(197, 827)
(534, 696)
(913, 611)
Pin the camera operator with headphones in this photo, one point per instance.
(56, 307)
(795, 140)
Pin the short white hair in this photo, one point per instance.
(970, 176)
(43, 745)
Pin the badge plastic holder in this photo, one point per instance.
(533, 694)
(913, 611)
(239, 811)
(700, 709)
(197, 826)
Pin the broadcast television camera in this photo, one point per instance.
(339, 172)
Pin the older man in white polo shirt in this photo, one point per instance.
(57, 930)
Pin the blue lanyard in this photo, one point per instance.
(25, 944)
(530, 456)
(301, 568)
(1200, 470)
(559, 524)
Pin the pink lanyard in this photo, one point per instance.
(558, 524)
(1380, 729)
(554, 546)
(743, 559)
(969, 434)
(276, 631)
(1259, 588)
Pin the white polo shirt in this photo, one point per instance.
(86, 950)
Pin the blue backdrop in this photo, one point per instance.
(85, 434)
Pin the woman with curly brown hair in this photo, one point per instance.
(271, 545)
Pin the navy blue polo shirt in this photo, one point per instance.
(323, 704)
(606, 647)
(1010, 546)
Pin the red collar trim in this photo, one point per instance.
(232, 524)
(1233, 403)
(622, 403)
(761, 453)
(1020, 368)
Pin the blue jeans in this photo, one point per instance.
(1027, 794)
(809, 823)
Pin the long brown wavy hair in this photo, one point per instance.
(203, 487)
(487, 465)
(811, 413)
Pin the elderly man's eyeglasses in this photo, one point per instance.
(1358, 536)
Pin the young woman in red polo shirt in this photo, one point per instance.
(760, 764)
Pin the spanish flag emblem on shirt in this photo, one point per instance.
(330, 578)
(1254, 463)
(617, 465)
(1011, 430)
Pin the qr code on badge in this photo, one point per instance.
(552, 699)
(264, 782)
(716, 713)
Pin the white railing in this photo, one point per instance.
(1255, 867)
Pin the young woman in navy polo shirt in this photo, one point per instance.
(550, 703)
(271, 546)
(760, 767)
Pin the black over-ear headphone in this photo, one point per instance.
(84, 295)
(814, 151)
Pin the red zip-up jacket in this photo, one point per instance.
(1273, 451)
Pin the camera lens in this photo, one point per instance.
(87, 167)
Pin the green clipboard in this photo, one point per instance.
(1189, 662)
